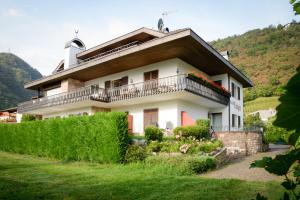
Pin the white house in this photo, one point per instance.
(165, 79)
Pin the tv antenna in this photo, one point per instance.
(160, 24)
(76, 32)
(166, 13)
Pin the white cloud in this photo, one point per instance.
(13, 12)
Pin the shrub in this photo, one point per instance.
(209, 146)
(274, 134)
(184, 165)
(102, 137)
(153, 146)
(199, 164)
(27, 118)
(251, 121)
(153, 133)
(205, 123)
(169, 146)
(197, 132)
(135, 153)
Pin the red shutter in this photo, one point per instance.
(186, 119)
(130, 123)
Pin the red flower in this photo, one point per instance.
(199, 75)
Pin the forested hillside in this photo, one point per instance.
(14, 72)
(268, 56)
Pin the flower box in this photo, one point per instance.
(197, 77)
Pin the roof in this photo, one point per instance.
(141, 34)
(184, 44)
(12, 109)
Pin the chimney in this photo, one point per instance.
(225, 54)
(72, 48)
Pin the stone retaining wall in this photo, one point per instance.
(242, 143)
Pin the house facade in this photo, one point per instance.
(163, 79)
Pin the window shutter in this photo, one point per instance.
(124, 80)
(154, 74)
(107, 84)
(146, 76)
(239, 93)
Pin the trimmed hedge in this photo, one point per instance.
(192, 131)
(102, 137)
(153, 133)
(135, 153)
(185, 165)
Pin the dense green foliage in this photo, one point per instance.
(187, 165)
(288, 112)
(153, 133)
(135, 153)
(253, 121)
(288, 164)
(268, 56)
(102, 137)
(275, 134)
(296, 6)
(195, 131)
(30, 178)
(28, 118)
(14, 72)
(195, 146)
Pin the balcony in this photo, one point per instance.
(165, 85)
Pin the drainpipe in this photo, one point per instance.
(229, 104)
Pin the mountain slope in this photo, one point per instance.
(14, 72)
(268, 56)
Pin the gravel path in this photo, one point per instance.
(239, 169)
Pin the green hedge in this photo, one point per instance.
(192, 131)
(153, 133)
(184, 165)
(102, 137)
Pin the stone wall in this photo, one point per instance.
(242, 143)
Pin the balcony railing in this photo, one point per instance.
(153, 87)
(77, 95)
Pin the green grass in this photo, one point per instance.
(27, 177)
(261, 103)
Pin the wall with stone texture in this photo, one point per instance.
(242, 143)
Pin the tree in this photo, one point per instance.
(296, 6)
(287, 165)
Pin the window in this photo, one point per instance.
(233, 123)
(232, 89)
(107, 84)
(239, 93)
(151, 75)
(219, 82)
(239, 121)
(116, 83)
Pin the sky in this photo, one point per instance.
(36, 31)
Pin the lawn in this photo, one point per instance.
(261, 103)
(28, 177)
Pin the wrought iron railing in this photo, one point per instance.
(147, 88)
(81, 94)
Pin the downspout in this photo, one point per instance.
(229, 104)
